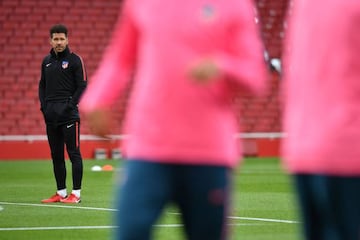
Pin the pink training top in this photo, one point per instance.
(322, 88)
(170, 118)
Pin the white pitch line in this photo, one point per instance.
(54, 228)
(99, 227)
(230, 224)
(264, 219)
(113, 210)
(58, 206)
(254, 219)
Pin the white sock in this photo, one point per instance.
(62, 192)
(76, 193)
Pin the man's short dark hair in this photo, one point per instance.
(58, 28)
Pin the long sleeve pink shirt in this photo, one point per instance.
(322, 88)
(170, 118)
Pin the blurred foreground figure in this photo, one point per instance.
(188, 59)
(322, 115)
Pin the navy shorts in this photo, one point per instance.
(330, 206)
(200, 192)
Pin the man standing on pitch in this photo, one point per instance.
(63, 80)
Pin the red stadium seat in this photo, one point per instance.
(25, 34)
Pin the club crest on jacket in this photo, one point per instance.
(65, 64)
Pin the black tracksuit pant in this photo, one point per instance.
(65, 135)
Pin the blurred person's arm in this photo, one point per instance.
(112, 76)
(244, 61)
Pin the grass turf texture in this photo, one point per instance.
(262, 204)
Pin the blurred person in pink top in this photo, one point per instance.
(188, 59)
(322, 115)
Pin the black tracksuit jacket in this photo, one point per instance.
(63, 80)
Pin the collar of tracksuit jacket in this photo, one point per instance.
(60, 55)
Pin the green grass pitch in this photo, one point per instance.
(263, 204)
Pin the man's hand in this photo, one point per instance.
(204, 71)
(100, 122)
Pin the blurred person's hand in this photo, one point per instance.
(204, 71)
(100, 122)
